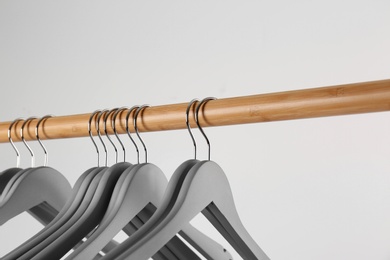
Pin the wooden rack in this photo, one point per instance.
(308, 103)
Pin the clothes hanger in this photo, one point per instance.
(20, 194)
(78, 192)
(43, 213)
(90, 218)
(175, 248)
(184, 167)
(202, 243)
(93, 182)
(192, 192)
(215, 251)
(36, 248)
(143, 185)
(88, 215)
(13, 177)
(6, 175)
(167, 256)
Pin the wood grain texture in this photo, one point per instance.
(346, 99)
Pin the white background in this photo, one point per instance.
(304, 189)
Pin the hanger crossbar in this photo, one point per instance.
(345, 99)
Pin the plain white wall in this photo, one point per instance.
(305, 189)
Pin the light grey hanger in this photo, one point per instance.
(143, 186)
(206, 246)
(12, 179)
(175, 245)
(86, 185)
(43, 249)
(197, 192)
(39, 203)
(61, 243)
(78, 192)
(97, 237)
(7, 175)
(88, 215)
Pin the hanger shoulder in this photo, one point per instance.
(169, 195)
(133, 194)
(98, 239)
(5, 195)
(220, 209)
(38, 185)
(206, 246)
(205, 184)
(50, 237)
(64, 215)
(142, 185)
(90, 217)
(6, 176)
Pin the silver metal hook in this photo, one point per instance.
(197, 120)
(24, 141)
(128, 130)
(136, 129)
(90, 134)
(188, 123)
(97, 124)
(113, 124)
(39, 140)
(107, 135)
(12, 143)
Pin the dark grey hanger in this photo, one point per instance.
(189, 193)
(25, 250)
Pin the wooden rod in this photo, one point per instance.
(307, 103)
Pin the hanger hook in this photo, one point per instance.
(136, 129)
(90, 134)
(204, 101)
(128, 130)
(97, 125)
(192, 102)
(113, 124)
(39, 140)
(105, 131)
(24, 141)
(12, 143)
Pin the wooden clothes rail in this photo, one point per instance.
(346, 99)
